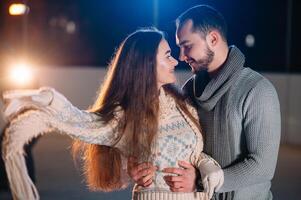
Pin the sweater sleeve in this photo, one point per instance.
(204, 158)
(33, 112)
(261, 129)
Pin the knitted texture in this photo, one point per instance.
(240, 114)
(177, 139)
(161, 195)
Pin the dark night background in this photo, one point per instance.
(73, 40)
(101, 25)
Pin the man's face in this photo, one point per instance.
(194, 48)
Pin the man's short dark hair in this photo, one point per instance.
(205, 19)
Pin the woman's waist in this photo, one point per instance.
(158, 183)
(163, 194)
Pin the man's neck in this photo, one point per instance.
(219, 61)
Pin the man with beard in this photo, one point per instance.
(238, 110)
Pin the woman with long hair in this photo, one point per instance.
(138, 113)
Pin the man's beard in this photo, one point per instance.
(206, 61)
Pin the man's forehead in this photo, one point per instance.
(181, 37)
(183, 32)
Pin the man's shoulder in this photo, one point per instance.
(252, 80)
(250, 74)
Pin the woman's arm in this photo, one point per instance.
(46, 109)
(34, 112)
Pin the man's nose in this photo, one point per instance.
(182, 56)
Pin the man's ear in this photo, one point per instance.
(213, 38)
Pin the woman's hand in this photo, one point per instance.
(212, 177)
(141, 173)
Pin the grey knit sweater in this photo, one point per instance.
(240, 114)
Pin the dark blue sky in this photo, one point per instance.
(101, 26)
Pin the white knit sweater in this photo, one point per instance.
(177, 139)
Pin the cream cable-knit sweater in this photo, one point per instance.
(177, 139)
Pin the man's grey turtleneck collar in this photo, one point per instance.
(212, 89)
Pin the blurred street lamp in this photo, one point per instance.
(18, 9)
(20, 74)
(250, 40)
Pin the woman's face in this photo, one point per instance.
(165, 64)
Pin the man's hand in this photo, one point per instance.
(141, 173)
(185, 181)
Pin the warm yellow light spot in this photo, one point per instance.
(21, 74)
(17, 9)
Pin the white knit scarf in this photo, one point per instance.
(32, 113)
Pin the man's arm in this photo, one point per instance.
(142, 174)
(185, 179)
(261, 129)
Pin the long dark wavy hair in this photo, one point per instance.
(131, 84)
